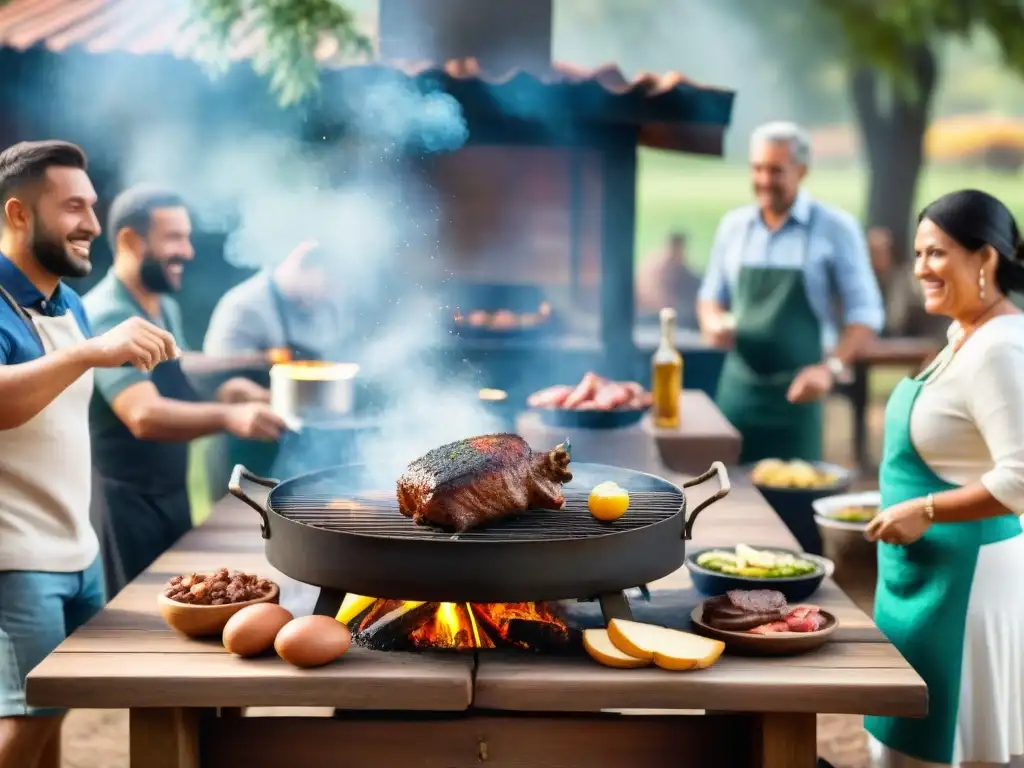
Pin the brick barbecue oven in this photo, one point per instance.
(541, 200)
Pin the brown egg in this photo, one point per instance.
(312, 641)
(252, 630)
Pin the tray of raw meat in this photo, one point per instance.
(594, 403)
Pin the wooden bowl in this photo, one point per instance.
(779, 644)
(206, 620)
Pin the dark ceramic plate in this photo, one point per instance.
(779, 644)
(615, 419)
(795, 588)
(793, 505)
(844, 479)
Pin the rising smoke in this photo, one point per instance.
(378, 220)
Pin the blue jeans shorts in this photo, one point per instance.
(37, 611)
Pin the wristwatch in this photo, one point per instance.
(838, 370)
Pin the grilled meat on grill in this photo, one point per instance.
(478, 480)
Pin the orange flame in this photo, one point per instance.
(457, 626)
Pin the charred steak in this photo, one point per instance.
(741, 610)
(478, 480)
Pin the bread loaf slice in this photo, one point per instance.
(667, 648)
(602, 650)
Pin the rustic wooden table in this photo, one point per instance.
(443, 710)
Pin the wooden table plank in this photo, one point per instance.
(861, 678)
(360, 680)
(703, 433)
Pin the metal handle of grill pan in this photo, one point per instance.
(257, 499)
(718, 468)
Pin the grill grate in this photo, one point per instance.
(377, 515)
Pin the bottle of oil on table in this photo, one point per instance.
(666, 374)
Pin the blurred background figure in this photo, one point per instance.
(665, 279)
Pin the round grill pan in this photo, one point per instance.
(327, 529)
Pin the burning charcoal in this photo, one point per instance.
(543, 637)
(394, 629)
(452, 628)
(523, 625)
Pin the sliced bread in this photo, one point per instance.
(667, 648)
(603, 651)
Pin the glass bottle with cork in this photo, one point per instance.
(666, 374)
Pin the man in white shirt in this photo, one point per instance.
(51, 580)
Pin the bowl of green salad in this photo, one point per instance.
(717, 570)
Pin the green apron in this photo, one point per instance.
(777, 334)
(921, 599)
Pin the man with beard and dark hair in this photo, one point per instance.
(51, 579)
(142, 422)
(777, 271)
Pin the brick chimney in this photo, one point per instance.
(500, 34)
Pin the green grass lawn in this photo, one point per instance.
(680, 193)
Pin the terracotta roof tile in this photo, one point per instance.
(144, 27)
(160, 26)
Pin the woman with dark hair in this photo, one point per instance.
(950, 555)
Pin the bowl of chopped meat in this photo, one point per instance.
(199, 605)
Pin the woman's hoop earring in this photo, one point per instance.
(981, 285)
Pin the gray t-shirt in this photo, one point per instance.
(250, 318)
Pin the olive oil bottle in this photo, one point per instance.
(666, 374)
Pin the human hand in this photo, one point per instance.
(719, 331)
(810, 384)
(136, 342)
(254, 421)
(242, 390)
(902, 524)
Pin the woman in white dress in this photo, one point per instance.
(950, 593)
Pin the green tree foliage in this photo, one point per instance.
(291, 30)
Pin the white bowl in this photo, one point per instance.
(829, 504)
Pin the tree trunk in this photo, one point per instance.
(892, 125)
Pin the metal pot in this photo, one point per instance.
(302, 391)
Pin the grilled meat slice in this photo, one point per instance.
(471, 482)
(742, 610)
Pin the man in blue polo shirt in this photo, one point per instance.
(51, 580)
(778, 271)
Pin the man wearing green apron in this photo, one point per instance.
(142, 422)
(777, 271)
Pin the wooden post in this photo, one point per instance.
(786, 740)
(618, 229)
(164, 738)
